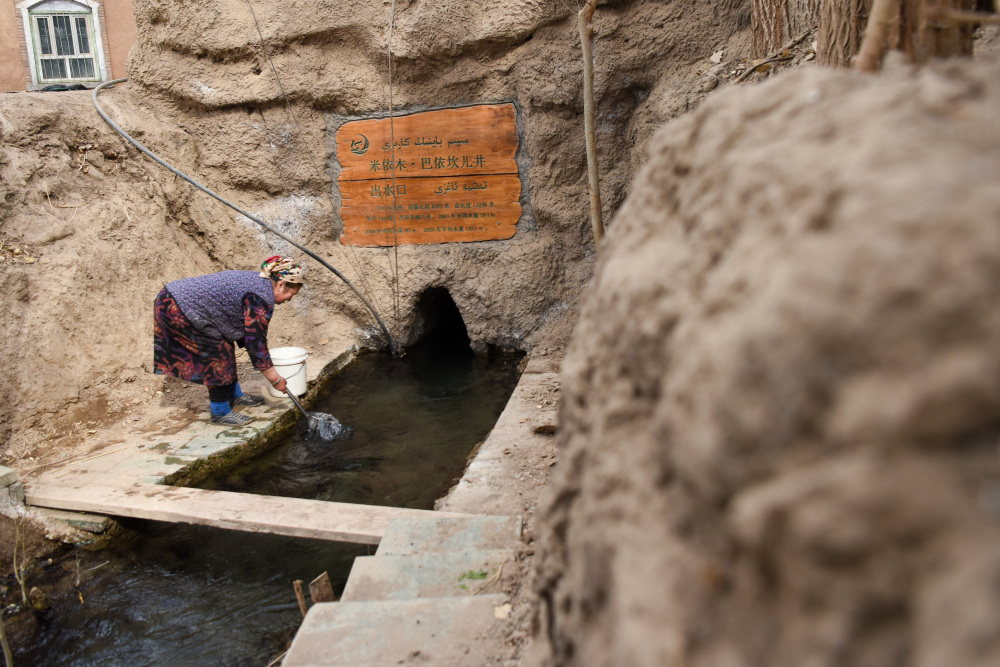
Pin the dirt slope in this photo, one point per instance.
(779, 437)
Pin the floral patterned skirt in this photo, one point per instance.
(182, 351)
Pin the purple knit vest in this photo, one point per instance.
(214, 303)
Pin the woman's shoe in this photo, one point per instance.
(232, 419)
(249, 399)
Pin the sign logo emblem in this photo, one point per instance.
(359, 146)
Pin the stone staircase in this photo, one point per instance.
(423, 598)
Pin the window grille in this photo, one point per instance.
(63, 46)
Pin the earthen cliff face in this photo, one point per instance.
(332, 62)
(781, 404)
(202, 94)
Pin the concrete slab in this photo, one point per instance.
(453, 535)
(150, 458)
(294, 517)
(7, 476)
(542, 364)
(430, 575)
(449, 632)
(92, 523)
(481, 488)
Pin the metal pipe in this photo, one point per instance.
(116, 128)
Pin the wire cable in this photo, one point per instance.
(355, 263)
(392, 156)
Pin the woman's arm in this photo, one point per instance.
(256, 317)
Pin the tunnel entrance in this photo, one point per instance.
(438, 328)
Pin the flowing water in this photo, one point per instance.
(189, 595)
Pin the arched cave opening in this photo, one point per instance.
(438, 327)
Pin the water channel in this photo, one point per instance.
(189, 595)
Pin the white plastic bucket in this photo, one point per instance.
(290, 362)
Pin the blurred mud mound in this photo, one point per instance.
(782, 402)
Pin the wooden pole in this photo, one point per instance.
(586, 41)
(300, 596)
(870, 55)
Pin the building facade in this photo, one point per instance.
(66, 42)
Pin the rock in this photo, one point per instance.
(37, 599)
(95, 158)
(547, 428)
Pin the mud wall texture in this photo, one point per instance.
(781, 404)
(202, 94)
(332, 62)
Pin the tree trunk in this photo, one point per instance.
(774, 22)
(841, 26)
(926, 34)
(918, 29)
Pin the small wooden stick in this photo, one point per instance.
(490, 580)
(90, 458)
(776, 56)
(47, 195)
(971, 17)
(753, 68)
(277, 660)
(300, 596)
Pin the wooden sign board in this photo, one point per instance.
(455, 174)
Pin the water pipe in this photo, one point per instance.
(116, 128)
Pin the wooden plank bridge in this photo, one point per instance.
(293, 517)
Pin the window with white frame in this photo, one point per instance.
(63, 40)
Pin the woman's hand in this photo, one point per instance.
(278, 382)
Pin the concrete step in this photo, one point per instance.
(428, 575)
(448, 632)
(438, 534)
(91, 523)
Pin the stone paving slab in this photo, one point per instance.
(429, 575)
(7, 476)
(475, 492)
(92, 523)
(404, 537)
(447, 632)
(150, 458)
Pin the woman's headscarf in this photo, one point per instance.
(282, 268)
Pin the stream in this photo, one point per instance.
(171, 594)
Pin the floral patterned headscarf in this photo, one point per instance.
(282, 268)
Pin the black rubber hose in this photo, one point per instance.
(114, 126)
